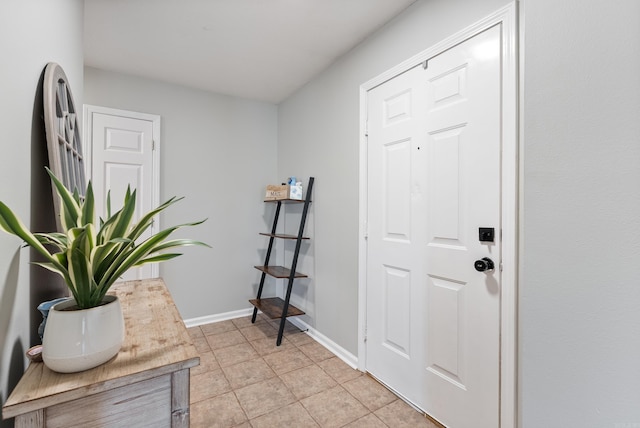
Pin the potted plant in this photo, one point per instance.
(91, 255)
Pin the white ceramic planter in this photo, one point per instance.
(78, 340)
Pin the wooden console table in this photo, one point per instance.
(145, 385)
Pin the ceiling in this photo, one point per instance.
(257, 49)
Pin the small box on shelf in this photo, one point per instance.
(277, 192)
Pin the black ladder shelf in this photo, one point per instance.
(275, 307)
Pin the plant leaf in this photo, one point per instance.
(158, 258)
(178, 243)
(79, 265)
(124, 216)
(69, 208)
(11, 224)
(88, 207)
(127, 259)
(146, 220)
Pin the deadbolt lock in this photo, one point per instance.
(486, 234)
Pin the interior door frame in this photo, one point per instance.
(88, 112)
(506, 18)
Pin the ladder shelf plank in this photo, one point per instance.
(281, 235)
(273, 307)
(287, 201)
(279, 272)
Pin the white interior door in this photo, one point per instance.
(434, 162)
(122, 154)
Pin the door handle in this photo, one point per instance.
(484, 264)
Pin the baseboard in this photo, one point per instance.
(333, 347)
(208, 319)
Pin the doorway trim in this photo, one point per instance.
(88, 112)
(505, 17)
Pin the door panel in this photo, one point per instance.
(445, 191)
(396, 187)
(434, 151)
(122, 155)
(446, 331)
(396, 311)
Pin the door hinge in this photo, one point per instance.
(366, 230)
(365, 334)
(153, 145)
(425, 64)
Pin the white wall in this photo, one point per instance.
(32, 33)
(218, 152)
(580, 289)
(318, 135)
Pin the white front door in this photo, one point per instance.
(122, 154)
(434, 162)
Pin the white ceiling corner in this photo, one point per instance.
(257, 49)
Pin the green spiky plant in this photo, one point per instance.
(89, 257)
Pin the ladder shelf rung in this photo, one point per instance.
(287, 201)
(273, 307)
(279, 272)
(281, 235)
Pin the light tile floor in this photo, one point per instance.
(245, 380)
